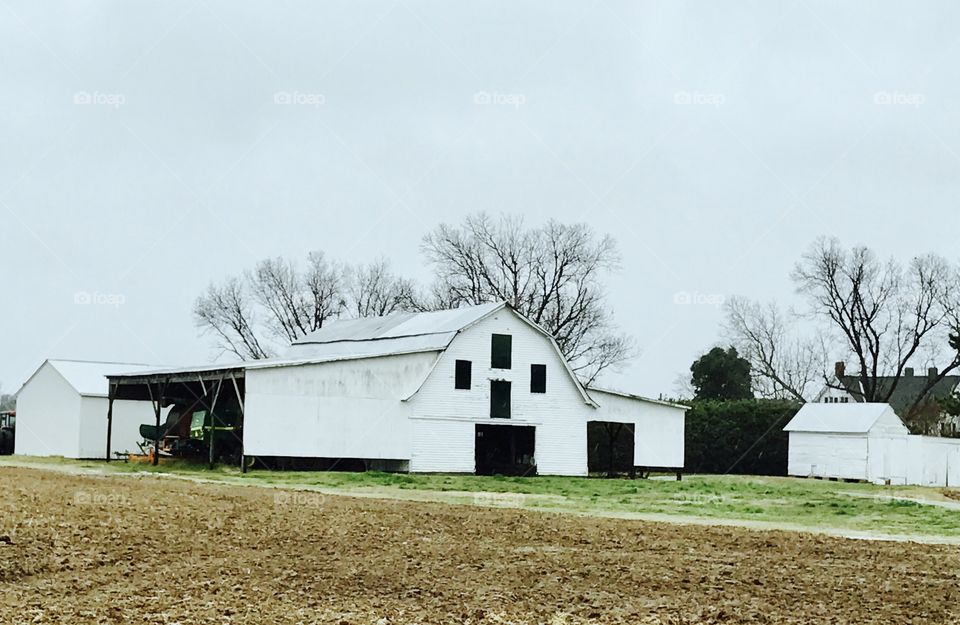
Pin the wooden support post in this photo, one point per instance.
(236, 389)
(111, 393)
(213, 420)
(156, 412)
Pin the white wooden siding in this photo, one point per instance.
(346, 409)
(560, 414)
(828, 455)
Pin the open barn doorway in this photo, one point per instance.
(610, 447)
(505, 450)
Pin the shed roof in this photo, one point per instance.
(89, 378)
(852, 418)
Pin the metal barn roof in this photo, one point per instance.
(89, 378)
(402, 324)
(851, 418)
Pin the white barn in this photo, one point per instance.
(867, 441)
(478, 389)
(62, 408)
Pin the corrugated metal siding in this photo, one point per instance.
(828, 455)
(127, 418)
(560, 414)
(48, 416)
(341, 410)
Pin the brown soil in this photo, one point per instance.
(146, 550)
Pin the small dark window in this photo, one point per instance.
(501, 351)
(499, 399)
(538, 378)
(463, 375)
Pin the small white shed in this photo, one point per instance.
(62, 411)
(856, 441)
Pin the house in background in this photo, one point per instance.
(62, 411)
(480, 389)
(848, 389)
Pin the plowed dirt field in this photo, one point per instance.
(81, 549)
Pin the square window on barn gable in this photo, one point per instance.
(501, 351)
(538, 378)
(463, 375)
(499, 399)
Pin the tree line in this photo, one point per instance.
(554, 274)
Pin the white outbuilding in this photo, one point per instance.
(867, 441)
(62, 411)
(480, 389)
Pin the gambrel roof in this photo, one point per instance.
(371, 337)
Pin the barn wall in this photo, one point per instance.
(127, 418)
(347, 409)
(828, 455)
(659, 429)
(48, 416)
(560, 414)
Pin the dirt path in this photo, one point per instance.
(92, 549)
(553, 504)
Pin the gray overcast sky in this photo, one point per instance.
(144, 150)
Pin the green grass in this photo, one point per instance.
(763, 501)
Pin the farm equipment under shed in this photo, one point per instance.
(8, 427)
(189, 433)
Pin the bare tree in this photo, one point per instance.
(298, 303)
(280, 301)
(883, 312)
(552, 274)
(373, 290)
(784, 363)
(227, 311)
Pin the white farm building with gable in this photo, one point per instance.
(478, 389)
(867, 441)
(62, 411)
